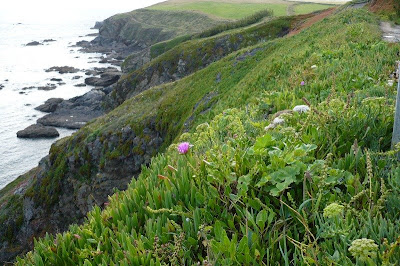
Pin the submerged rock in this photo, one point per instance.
(34, 43)
(38, 131)
(48, 87)
(63, 69)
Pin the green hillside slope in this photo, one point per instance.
(320, 188)
(239, 9)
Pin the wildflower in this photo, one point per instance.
(278, 121)
(333, 210)
(302, 83)
(183, 148)
(301, 109)
(363, 249)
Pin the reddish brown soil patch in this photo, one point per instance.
(311, 21)
(383, 5)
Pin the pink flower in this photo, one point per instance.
(302, 83)
(183, 148)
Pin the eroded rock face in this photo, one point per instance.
(136, 61)
(96, 166)
(38, 131)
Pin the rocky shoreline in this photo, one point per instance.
(76, 112)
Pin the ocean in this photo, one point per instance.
(24, 66)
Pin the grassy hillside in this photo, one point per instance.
(320, 189)
(238, 10)
(152, 26)
(193, 55)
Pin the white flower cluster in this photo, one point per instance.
(279, 120)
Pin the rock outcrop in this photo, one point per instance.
(76, 112)
(63, 69)
(104, 80)
(50, 105)
(38, 131)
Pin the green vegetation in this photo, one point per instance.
(152, 26)
(320, 189)
(235, 11)
(163, 47)
(198, 53)
(308, 8)
(223, 10)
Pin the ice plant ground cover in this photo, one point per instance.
(311, 191)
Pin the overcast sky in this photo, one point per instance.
(53, 10)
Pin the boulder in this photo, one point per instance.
(50, 105)
(38, 131)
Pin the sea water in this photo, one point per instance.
(24, 66)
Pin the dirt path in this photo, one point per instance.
(390, 33)
(311, 21)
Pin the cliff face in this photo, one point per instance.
(80, 172)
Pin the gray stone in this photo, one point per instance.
(50, 105)
(38, 131)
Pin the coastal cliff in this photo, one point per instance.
(193, 88)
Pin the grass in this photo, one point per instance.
(246, 196)
(231, 11)
(235, 11)
(309, 8)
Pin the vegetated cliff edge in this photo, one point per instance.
(82, 170)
